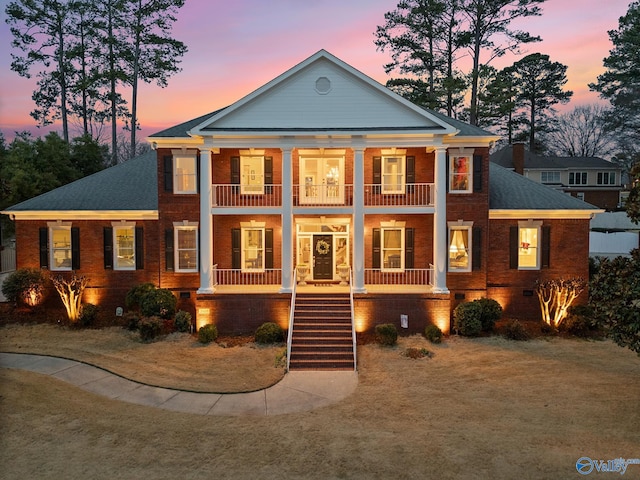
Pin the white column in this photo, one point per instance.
(440, 222)
(206, 223)
(358, 221)
(287, 222)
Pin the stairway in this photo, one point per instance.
(322, 334)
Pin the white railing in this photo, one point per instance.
(412, 195)
(234, 276)
(409, 276)
(291, 317)
(432, 276)
(246, 195)
(353, 321)
(322, 195)
(7, 259)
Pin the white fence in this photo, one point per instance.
(612, 244)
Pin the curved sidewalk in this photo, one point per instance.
(296, 392)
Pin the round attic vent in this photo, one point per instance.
(323, 85)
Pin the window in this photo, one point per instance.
(186, 251)
(60, 251)
(530, 245)
(185, 176)
(252, 174)
(460, 241)
(577, 178)
(460, 180)
(252, 249)
(606, 178)
(550, 177)
(392, 248)
(124, 251)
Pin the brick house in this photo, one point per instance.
(320, 177)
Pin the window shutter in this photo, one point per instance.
(409, 235)
(545, 253)
(198, 157)
(476, 248)
(477, 173)
(236, 257)
(168, 250)
(168, 173)
(75, 248)
(448, 172)
(375, 259)
(513, 247)
(44, 247)
(107, 233)
(268, 174)
(268, 248)
(377, 173)
(139, 248)
(410, 173)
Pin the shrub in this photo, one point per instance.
(433, 334)
(269, 332)
(386, 334)
(490, 313)
(132, 320)
(159, 302)
(207, 333)
(88, 314)
(182, 321)
(514, 330)
(150, 328)
(134, 296)
(415, 353)
(24, 286)
(580, 321)
(466, 319)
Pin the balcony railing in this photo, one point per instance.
(409, 276)
(246, 195)
(322, 195)
(234, 276)
(411, 195)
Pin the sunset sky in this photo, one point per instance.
(236, 47)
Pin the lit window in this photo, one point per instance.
(459, 246)
(529, 246)
(252, 174)
(393, 174)
(185, 174)
(252, 249)
(60, 251)
(392, 248)
(124, 251)
(606, 178)
(577, 178)
(460, 174)
(186, 251)
(550, 177)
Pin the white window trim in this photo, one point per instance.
(180, 154)
(461, 226)
(530, 224)
(611, 178)
(59, 225)
(547, 173)
(115, 226)
(453, 155)
(392, 225)
(575, 176)
(247, 226)
(401, 155)
(184, 226)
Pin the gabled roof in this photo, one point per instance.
(129, 186)
(532, 161)
(182, 129)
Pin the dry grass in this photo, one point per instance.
(478, 409)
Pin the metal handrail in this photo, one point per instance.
(353, 321)
(291, 315)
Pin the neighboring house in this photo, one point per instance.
(319, 169)
(592, 179)
(613, 234)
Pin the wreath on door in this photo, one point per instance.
(322, 247)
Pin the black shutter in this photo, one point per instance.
(168, 173)
(447, 175)
(168, 250)
(377, 173)
(268, 248)
(545, 254)
(375, 238)
(235, 172)
(411, 173)
(107, 233)
(409, 236)
(477, 173)
(476, 248)
(44, 247)
(268, 174)
(236, 257)
(75, 248)
(139, 248)
(513, 247)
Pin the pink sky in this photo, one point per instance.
(236, 47)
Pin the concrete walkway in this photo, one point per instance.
(298, 391)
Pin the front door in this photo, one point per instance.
(323, 257)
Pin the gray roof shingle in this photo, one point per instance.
(504, 158)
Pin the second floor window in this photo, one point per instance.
(393, 174)
(185, 174)
(550, 177)
(606, 178)
(460, 169)
(577, 178)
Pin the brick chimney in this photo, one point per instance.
(517, 157)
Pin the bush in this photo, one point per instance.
(182, 321)
(88, 314)
(24, 286)
(580, 321)
(207, 333)
(132, 320)
(467, 319)
(269, 332)
(515, 331)
(150, 328)
(134, 296)
(490, 313)
(386, 334)
(433, 334)
(159, 302)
